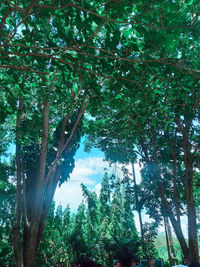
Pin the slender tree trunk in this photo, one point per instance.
(167, 241)
(176, 225)
(141, 229)
(174, 260)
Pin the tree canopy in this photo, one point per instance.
(132, 67)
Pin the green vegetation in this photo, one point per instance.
(160, 244)
(102, 229)
(132, 68)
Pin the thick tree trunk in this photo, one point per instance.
(189, 173)
(192, 225)
(39, 189)
(33, 231)
(32, 221)
(30, 239)
(192, 233)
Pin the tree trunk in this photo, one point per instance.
(33, 231)
(30, 239)
(32, 220)
(189, 173)
(175, 223)
(38, 190)
(171, 242)
(192, 225)
(167, 241)
(141, 230)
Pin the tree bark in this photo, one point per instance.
(192, 225)
(189, 173)
(167, 241)
(174, 260)
(171, 244)
(33, 222)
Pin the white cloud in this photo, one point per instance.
(84, 172)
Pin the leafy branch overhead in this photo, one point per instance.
(94, 38)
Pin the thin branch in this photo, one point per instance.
(28, 13)
(23, 69)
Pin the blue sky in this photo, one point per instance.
(89, 170)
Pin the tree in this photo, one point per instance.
(86, 48)
(110, 228)
(159, 122)
(41, 97)
(92, 221)
(40, 57)
(105, 198)
(7, 196)
(156, 134)
(7, 193)
(150, 234)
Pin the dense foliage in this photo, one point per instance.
(102, 229)
(133, 66)
(7, 194)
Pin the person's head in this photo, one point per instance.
(186, 261)
(151, 261)
(134, 263)
(72, 264)
(89, 264)
(118, 264)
